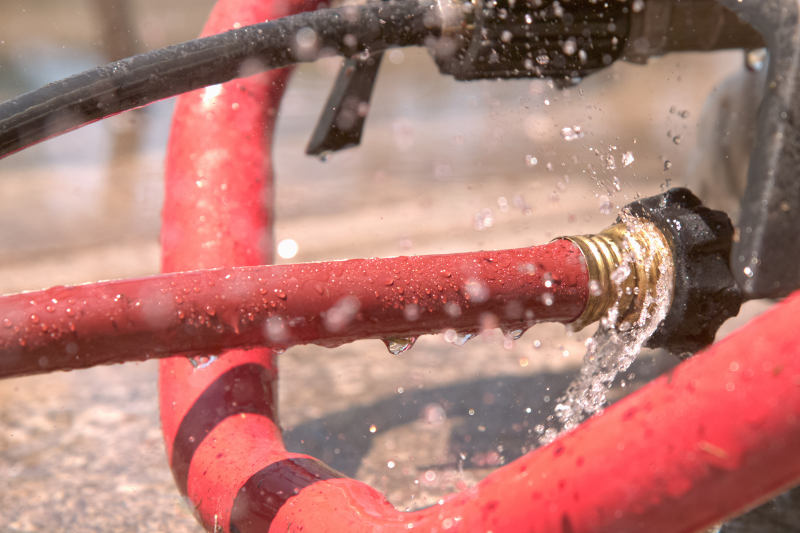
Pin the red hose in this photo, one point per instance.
(220, 426)
(717, 434)
(713, 437)
(208, 311)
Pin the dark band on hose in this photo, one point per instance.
(145, 78)
(261, 497)
(242, 389)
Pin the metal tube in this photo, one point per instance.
(327, 303)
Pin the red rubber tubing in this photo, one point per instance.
(718, 434)
(209, 311)
(715, 435)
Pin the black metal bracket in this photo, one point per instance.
(342, 120)
(766, 258)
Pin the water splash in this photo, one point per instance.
(614, 347)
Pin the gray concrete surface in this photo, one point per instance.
(82, 451)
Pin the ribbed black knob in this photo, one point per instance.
(705, 293)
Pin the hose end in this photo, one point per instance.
(695, 240)
(625, 265)
(705, 293)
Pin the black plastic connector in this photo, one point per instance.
(540, 38)
(705, 292)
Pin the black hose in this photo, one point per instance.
(95, 94)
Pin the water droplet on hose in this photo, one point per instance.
(594, 288)
(398, 345)
(462, 338)
(203, 361)
(514, 334)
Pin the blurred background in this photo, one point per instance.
(444, 166)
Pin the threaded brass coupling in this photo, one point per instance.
(624, 263)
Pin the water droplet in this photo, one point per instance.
(506, 36)
(627, 158)
(528, 18)
(179, 299)
(50, 309)
(457, 338)
(514, 334)
(411, 312)
(210, 311)
(287, 248)
(605, 205)
(203, 361)
(208, 362)
(594, 288)
(570, 46)
(281, 295)
(571, 134)
(398, 345)
(34, 319)
(531, 161)
(756, 59)
(667, 164)
(7, 323)
(373, 429)
(748, 272)
(677, 139)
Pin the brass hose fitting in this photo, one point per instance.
(619, 294)
(669, 238)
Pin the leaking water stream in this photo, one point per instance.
(615, 345)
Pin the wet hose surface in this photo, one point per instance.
(327, 303)
(98, 93)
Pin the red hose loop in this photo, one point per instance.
(217, 212)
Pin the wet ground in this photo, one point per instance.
(444, 167)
